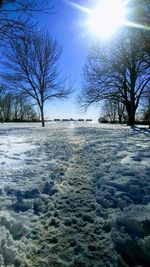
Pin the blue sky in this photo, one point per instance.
(64, 24)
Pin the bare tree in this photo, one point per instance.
(140, 16)
(22, 108)
(5, 107)
(146, 108)
(140, 12)
(1, 97)
(28, 113)
(32, 69)
(114, 110)
(110, 110)
(118, 71)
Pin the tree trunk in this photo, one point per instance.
(120, 118)
(131, 114)
(42, 116)
(131, 119)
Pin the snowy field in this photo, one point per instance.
(74, 195)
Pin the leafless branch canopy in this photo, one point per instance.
(120, 71)
(32, 68)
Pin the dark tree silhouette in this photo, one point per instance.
(32, 69)
(119, 71)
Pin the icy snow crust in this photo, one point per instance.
(74, 195)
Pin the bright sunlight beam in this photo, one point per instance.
(105, 19)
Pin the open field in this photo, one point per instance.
(74, 195)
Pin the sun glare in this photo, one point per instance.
(105, 18)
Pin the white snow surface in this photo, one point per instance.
(74, 194)
(13, 151)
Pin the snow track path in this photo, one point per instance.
(77, 243)
(80, 197)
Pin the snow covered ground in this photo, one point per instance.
(74, 195)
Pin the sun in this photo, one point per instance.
(106, 17)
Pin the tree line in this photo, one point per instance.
(114, 111)
(117, 72)
(15, 108)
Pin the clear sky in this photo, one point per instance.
(65, 24)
